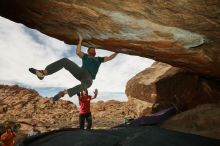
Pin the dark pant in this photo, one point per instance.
(88, 118)
(80, 74)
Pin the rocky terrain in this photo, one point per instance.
(202, 120)
(196, 98)
(200, 115)
(27, 107)
(162, 85)
(185, 34)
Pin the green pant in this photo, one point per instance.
(80, 74)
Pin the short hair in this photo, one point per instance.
(86, 92)
(91, 48)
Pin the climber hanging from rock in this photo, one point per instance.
(85, 74)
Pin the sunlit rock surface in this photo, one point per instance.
(203, 120)
(27, 107)
(162, 86)
(184, 33)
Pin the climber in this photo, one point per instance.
(85, 74)
(8, 135)
(85, 113)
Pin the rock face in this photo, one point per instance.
(197, 98)
(136, 108)
(162, 85)
(28, 108)
(108, 114)
(203, 120)
(144, 136)
(183, 33)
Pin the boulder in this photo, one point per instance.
(163, 85)
(203, 120)
(183, 33)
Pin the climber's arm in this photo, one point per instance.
(108, 58)
(78, 49)
(95, 94)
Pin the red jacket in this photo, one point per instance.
(7, 138)
(84, 102)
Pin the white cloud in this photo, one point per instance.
(114, 75)
(22, 48)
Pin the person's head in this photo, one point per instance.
(84, 92)
(91, 51)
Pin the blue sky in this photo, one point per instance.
(22, 48)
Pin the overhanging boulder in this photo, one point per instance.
(182, 33)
